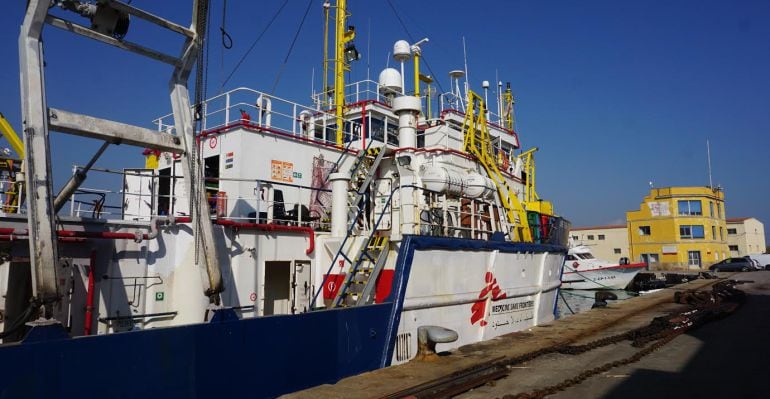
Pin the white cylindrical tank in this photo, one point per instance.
(407, 108)
(478, 186)
(390, 81)
(440, 179)
(339, 203)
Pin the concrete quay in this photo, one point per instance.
(726, 358)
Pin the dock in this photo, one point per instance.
(721, 358)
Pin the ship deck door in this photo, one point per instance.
(277, 287)
(301, 289)
(287, 287)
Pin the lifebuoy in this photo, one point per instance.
(575, 264)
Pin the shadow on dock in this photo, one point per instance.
(732, 359)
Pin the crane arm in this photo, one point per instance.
(7, 131)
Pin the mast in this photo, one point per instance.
(325, 85)
(343, 54)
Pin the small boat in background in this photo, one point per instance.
(582, 271)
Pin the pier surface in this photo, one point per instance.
(726, 358)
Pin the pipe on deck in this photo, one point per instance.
(11, 234)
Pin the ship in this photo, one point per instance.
(267, 246)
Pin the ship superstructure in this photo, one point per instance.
(330, 230)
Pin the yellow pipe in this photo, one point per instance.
(10, 135)
(341, 37)
(509, 108)
(417, 74)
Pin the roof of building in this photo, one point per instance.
(611, 226)
(736, 220)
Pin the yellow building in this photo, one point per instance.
(679, 227)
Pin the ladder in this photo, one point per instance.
(369, 259)
(358, 286)
(362, 174)
(477, 142)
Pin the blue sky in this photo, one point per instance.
(615, 94)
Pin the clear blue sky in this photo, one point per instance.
(615, 94)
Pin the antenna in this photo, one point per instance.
(368, 45)
(708, 157)
(465, 61)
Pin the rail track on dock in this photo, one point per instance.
(702, 307)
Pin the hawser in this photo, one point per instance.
(279, 245)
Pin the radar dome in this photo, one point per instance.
(402, 51)
(390, 81)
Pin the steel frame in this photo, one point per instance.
(38, 122)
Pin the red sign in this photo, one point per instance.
(332, 285)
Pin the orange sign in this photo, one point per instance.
(281, 171)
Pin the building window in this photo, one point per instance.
(616, 250)
(732, 232)
(733, 248)
(719, 210)
(711, 209)
(644, 230)
(649, 258)
(693, 258)
(690, 208)
(721, 236)
(691, 231)
(575, 238)
(601, 236)
(714, 232)
(590, 237)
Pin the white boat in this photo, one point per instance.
(582, 271)
(282, 244)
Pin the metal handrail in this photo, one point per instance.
(347, 236)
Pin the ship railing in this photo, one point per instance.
(451, 101)
(355, 92)
(453, 140)
(272, 203)
(259, 110)
(269, 203)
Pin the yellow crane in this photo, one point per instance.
(13, 139)
(8, 169)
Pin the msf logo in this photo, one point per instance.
(491, 290)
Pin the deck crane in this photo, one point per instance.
(11, 178)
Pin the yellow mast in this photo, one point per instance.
(508, 100)
(342, 37)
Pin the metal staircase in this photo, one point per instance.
(358, 286)
(477, 142)
(369, 258)
(362, 173)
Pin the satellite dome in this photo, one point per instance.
(390, 81)
(402, 51)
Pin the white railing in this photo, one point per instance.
(292, 207)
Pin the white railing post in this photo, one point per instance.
(227, 108)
